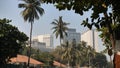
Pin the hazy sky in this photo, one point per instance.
(9, 9)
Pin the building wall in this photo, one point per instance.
(38, 45)
(47, 39)
(72, 34)
(41, 46)
(91, 37)
(43, 42)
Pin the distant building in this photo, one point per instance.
(43, 42)
(47, 39)
(72, 35)
(91, 37)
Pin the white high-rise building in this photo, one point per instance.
(47, 39)
(41, 46)
(72, 35)
(91, 37)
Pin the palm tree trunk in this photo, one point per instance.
(89, 61)
(29, 55)
(111, 62)
(68, 64)
(60, 54)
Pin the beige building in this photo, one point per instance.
(46, 38)
(91, 37)
(43, 42)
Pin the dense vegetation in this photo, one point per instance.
(11, 41)
(73, 54)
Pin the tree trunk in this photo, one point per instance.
(108, 24)
(68, 64)
(112, 37)
(111, 62)
(29, 55)
(117, 55)
(60, 54)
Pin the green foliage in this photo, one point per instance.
(73, 53)
(56, 53)
(59, 27)
(32, 10)
(81, 6)
(11, 41)
(87, 52)
(99, 60)
(44, 57)
(117, 32)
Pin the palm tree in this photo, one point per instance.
(76, 54)
(87, 52)
(90, 54)
(71, 53)
(66, 52)
(82, 46)
(32, 11)
(60, 28)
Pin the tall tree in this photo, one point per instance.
(66, 52)
(60, 28)
(32, 11)
(107, 42)
(75, 54)
(90, 54)
(11, 41)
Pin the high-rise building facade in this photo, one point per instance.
(91, 38)
(72, 35)
(47, 39)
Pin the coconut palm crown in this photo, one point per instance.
(32, 10)
(60, 28)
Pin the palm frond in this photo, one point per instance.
(56, 20)
(54, 23)
(61, 34)
(54, 28)
(21, 5)
(64, 23)
(36, 16)
(60, 27)
(40, 10)
(37, 3)
(25, 14)
(56, 34)
(66, 34)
